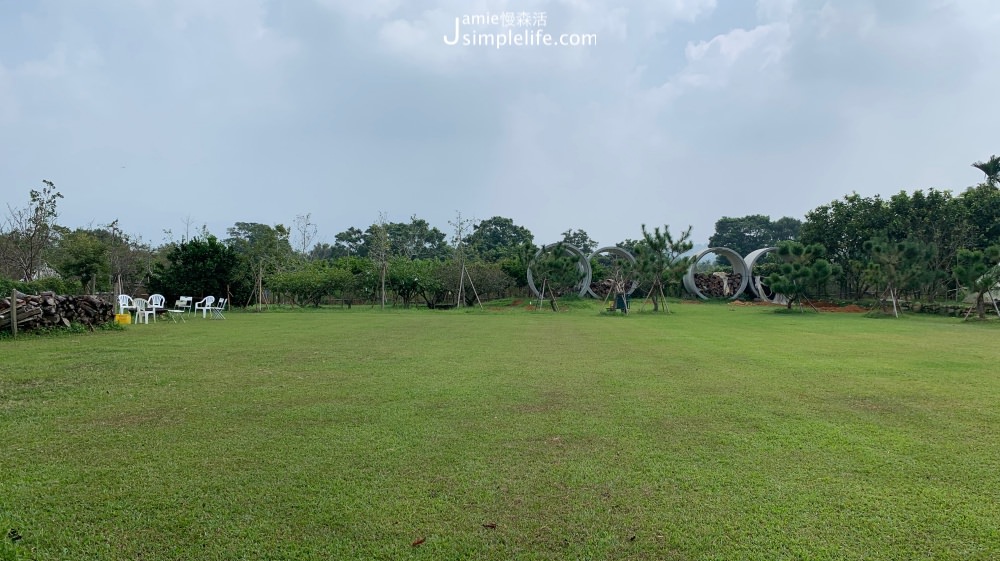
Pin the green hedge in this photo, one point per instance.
(57, 285)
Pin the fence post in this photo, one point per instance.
(13, 313)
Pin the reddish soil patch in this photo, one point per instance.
(831, 307)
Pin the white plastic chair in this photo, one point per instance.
(217, 310)
(183, 303)
(205, 304)
(142, 311)
(156, 302)
(125, 303)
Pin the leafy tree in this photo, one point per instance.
(439, 282)
(312, 282)
(629, 245)
(749, 233)
(27, 233)
(363, 282)
(261, 250)
(199, 267)
(991, 168)
(935, 218)
(843, 227)
(335, 281)
(497, 238)
(555, 271)
(580, 240)
(405, 276)
(785, 228)
(982, 207)
(82, 254)
(259, 243)
(46, 284)
(660, 263)
(898, 266)
(516, 265)
(801, 266)
(937, 221)
(413, 240)
(350, 242)
(323, 251)
(942, 222)
(979, 271)
(490, 279)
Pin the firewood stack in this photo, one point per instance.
(50, 310)
(602, 287)
(718, 285)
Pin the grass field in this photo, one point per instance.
(716, 432)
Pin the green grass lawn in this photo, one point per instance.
(716, 432)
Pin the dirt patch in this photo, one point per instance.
(834, 307)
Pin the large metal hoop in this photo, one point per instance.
(620, 252)
(584, 265)
(735, 259)
(756, 283)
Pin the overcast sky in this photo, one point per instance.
(684, 111)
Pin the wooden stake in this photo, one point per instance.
(13, 313)
(468, 274)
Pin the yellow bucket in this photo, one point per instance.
(123, 319)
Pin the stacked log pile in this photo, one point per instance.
(50, 310)
(718, 285)
(602, 287)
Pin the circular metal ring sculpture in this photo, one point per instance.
(735, 259)
(620, 252)
(756, 284)
(584, 268)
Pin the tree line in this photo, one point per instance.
(923, 245)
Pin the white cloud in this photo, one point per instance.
(740, 53)
(421, 40)
(982, 15)
(727, 47)
(418, 36)
(368, 9)
(677, 10)
(775, 10)
(858, 20)
(562, 165)
(239, 99)
(242, 23)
